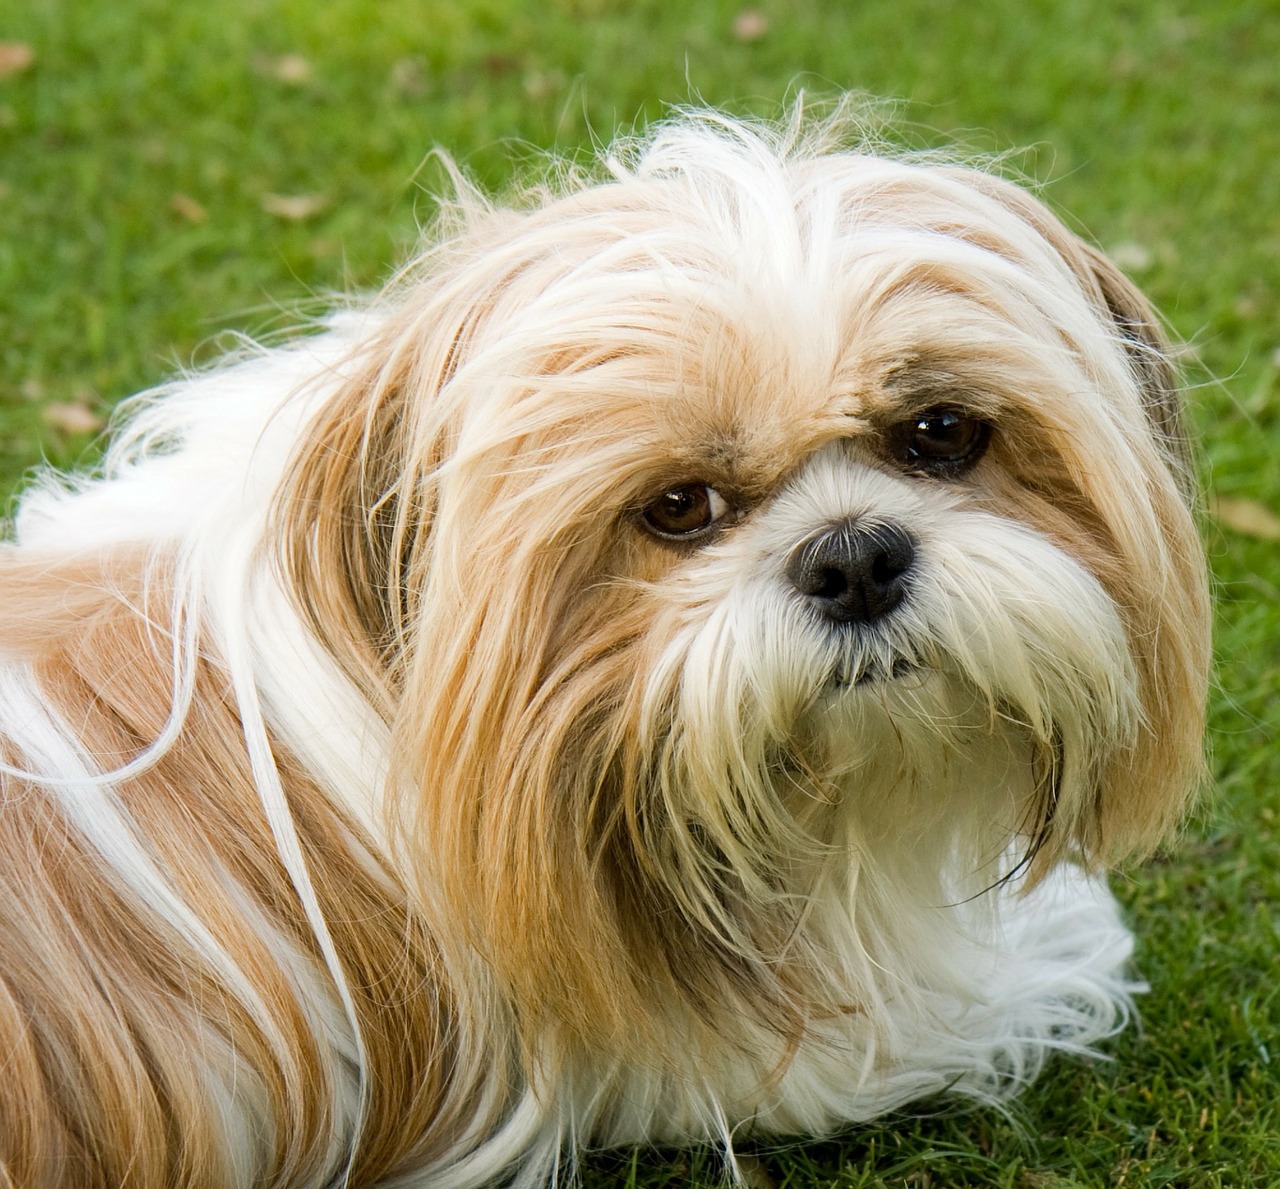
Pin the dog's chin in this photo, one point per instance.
(894, 715)
(857, 675)
(872, 659)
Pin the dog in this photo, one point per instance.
(677, 664)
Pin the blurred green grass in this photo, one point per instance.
(144, 152)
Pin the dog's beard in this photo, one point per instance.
(807, 796)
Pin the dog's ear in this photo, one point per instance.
(356, 504)
(1144, 795)
(328, 542)
(1165, 599)
(1156, 577)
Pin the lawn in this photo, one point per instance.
(172, 171)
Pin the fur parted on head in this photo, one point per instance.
(670, 664)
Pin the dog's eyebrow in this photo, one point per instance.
(916, 373)
(912, 385)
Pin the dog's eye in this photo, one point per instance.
(685, 512)
(941, 441)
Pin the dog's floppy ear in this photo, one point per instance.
(1165, 599)
(1157, 578)
(1145, 792)
(357, 504)
(330, 524)
(356, 513)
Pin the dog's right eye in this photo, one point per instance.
(684, 513)
(941, 441)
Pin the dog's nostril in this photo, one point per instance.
(885, 567)
(853, 573)
(829, 583)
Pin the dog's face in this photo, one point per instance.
(739, 551)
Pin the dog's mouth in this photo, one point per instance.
(860, 672)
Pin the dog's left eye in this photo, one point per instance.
(685, 512)
(941, 441)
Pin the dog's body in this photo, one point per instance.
(653, 674)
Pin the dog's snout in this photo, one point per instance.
(853, 573)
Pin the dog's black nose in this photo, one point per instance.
(853, 573)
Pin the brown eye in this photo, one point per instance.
(941, 441)
(685, 512)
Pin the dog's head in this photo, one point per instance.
(761, 540)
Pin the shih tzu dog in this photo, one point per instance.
(671, 667)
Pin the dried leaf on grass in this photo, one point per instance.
(750, 25)
(1132, 256)
(1247, 517)
(409, 78)
(296, 208)
(73, 416)
(15, 57)
(188, 208)
(292, 69)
